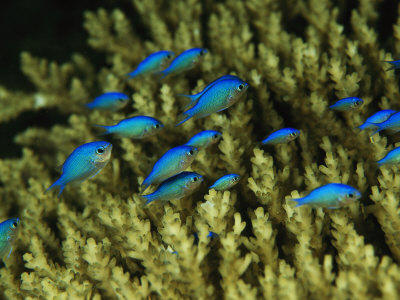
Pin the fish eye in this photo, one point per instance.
(168, 56)
(293, 134)
(157, 126)
(121, 100)
(191, 152)
(14, 225)
(194, 179)
(240, 87)
(215, 136)
(351, 195)
(201, 53)
(100, 150)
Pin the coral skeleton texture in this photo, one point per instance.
(98, 242)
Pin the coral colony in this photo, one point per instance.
(315, 214)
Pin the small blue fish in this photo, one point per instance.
(136, 128)
(218, 97)
(172, 162)
(204, 139)
(395, 64)
(85, 161)
(112, 101)
(175, 187)
(211, 235)
(393, 157)
(194, 98)
(332, 195)
(185, 61)
(225, 182)
(8, 234)
(152, 64)
(347, 104)
(379, 117)
(281, 136)
(392, 124)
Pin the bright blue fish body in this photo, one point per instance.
(281, 136)
(8, 234)
(152, 64)
(172, 162)
(332, 195)
(84, 162)
(218, 97)
(112, 101)
(136, 128)
(204, 139)
(392, 124)
(185, 61)
(175, 187)
(225, 182)
(379, 117)
(393, 157)
(194, 98)
(347, 104)
(395, 64)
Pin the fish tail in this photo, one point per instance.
(149, 198)
(192, 98)
(145, 184)
(363, 126)
(183, 117)
(380, 126)
(106, 129)
(162, 74)
(59, 185)
(300, 201)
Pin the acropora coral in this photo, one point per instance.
(98, 242)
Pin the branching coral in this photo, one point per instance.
(98, 242)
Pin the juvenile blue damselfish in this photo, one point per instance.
(347, 104)
(225, 182)
(376, 118)
(185, 61)
(332, 195)
(391, 158)
(194, 98)
(8, 234)
(152, 64)
(395, 64)
(112, 101)
(175, 187)
(204, 139)
(281, 136)
(136, 128)
(218, 97)
(84, 162)
(172, 162)
(392, 124)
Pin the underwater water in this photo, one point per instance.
(291, 61)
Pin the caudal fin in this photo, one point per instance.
(300, 201)
(193, 99)
(183, 117)
(105, 129)
(148, 199)
(57, 185)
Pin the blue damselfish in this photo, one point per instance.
(392, 124)
(376, 118)
(391, 158)
(225, 182)
(172, 162)
(136, 128)
(204, 138)
(152, 64)
(395, 64)
(194, 98)
(347, 104)
(331, 195)
(218, 97)
(175, 187)
(8, 234)
(84, 162)
(185, 61)
(112, 101)
(281, 136)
